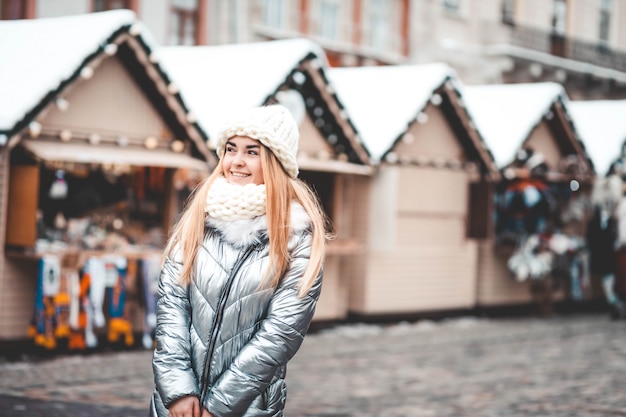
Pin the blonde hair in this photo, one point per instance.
(188, 233)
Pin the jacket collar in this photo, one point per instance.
(243, 233)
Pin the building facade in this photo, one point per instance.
(578, 43)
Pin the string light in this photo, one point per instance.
(122, 141)
(86, 73)
(178, 146)
(172, 88)
(62, 104)
(34, 129)
(151, 142)
(110, 49)
(65, 135)
(135, 29)
(94, 139)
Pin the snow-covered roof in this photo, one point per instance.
(38, 55)
(218, 81)
(383, 100)
(602, 127)
(42, 57)
(505, 114)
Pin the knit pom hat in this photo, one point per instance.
(273, 126)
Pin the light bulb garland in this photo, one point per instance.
(86, 73)
(34, 129)
(110, 49)
(62, 104)
(65, 135)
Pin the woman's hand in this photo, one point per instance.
(188, 406)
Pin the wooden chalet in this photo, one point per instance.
(520, 119)
(93, 138)
(421, 216)
(218, 81)
(602, 128)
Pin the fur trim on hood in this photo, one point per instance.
(243, 233)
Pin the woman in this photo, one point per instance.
(241, 277)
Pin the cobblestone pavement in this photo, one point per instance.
(570, 366)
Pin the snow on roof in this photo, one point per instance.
(602, 127)
(505, 114)
(38, 55)
(382, 101)
(218, 81)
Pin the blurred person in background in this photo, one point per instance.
(602, 236)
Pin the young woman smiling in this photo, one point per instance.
(241, 277)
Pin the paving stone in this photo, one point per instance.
(570, 366)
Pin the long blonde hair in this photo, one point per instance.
(188, 233)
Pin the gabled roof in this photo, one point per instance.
(218, 81)
(43, 57)
(383, 102)
(506, 114)
(602, 127)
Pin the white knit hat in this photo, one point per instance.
(273, 126)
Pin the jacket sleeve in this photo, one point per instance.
(278, 339)
(171, 361)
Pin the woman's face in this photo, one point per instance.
(242, 161)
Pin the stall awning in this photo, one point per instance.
(329, 165)
(104, 154)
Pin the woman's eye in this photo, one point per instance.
(253, 152)
(230, 149)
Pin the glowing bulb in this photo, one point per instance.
(151, 142)
(34, 129)
(62, 104)
(110, 49)
(66, 135)
(178, 146)
(86, 73)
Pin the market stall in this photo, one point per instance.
(98, 153)
(541, 204)
(217, 81)
(602, 127)
(423, 212)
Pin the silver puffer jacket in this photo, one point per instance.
(222, 338)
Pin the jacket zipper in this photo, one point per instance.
(217, 321)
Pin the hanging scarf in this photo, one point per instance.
(233, 202)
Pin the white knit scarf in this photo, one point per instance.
(232, 202)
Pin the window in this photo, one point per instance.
(14, 9)
(452, 6)
(508, 12)
(273, 13)
(234, 21)
(102, 5)
(479, 225)
(559, 17)
(324, 185)
(605, 19)
(183, 22)
(329, 19)
(378, 24)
